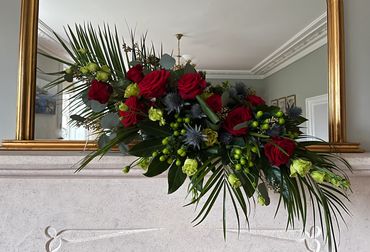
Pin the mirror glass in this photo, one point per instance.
(277, 48)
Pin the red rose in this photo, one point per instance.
(135, 74)
(132, 115)
(255, 100)
(153, 85)
(191, 85)
(235, 117)
(275, 155)
(99, 91)
(215, 102)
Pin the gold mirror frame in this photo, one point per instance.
(24, 139)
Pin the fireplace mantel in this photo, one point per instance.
(45, 164)
(45, 206)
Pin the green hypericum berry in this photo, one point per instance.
(187, 120)
(265, 126)
(179, 120)
(176, 133)
(162, 158)
(68, 70)
(170, 160)
(279, 114)
(238, 167)
(183, 154)
(92, 67)
(166, 151)
(84, 70)
(180, 151)
(178, 162)
(254, 149)
(236, 156)
(183, 131)
(238, 151)
(102, 76)
(176, 115)
(259, 114)
(172, 125)
(250, 164)
(246, 170)
(281, 121)
(154, 154)
(105, 68)
(243, 161)
(126, 169)
(266, 121)
(82, 50)
(175, 125)
(254, 124)
(165, 141)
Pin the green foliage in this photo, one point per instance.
(167, 62)
(209, 113)
(156, 167)
(175, 178)
(146, 147)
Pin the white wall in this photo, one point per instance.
(9, 29)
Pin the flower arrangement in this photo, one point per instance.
(222, 139)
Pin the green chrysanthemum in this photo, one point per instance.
(156, 115)
(211, 136)
(190, 167)
(234, 181)
(132, 90)
(300, 166)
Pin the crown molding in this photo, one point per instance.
(48, 43)
(231, 74)
(304, 42)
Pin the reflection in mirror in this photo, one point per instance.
(277, 48)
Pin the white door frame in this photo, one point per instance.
(311, 102)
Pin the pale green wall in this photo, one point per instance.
(357, 32)
(9, 30)
(305, 78)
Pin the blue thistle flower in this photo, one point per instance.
(274, 131)
(194, 136)
(173, 102)
(294, 111)
(225, 138)
(196, 111)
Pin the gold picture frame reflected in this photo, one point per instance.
(291, 101)
(282, 104)
(274, 102)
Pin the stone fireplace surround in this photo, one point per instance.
(45, 206)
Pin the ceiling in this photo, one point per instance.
(221, 35)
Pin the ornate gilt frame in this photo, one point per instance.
(27, 75)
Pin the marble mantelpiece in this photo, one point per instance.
(46, 207)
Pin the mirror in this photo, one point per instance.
(277, 48)
(290, 52)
